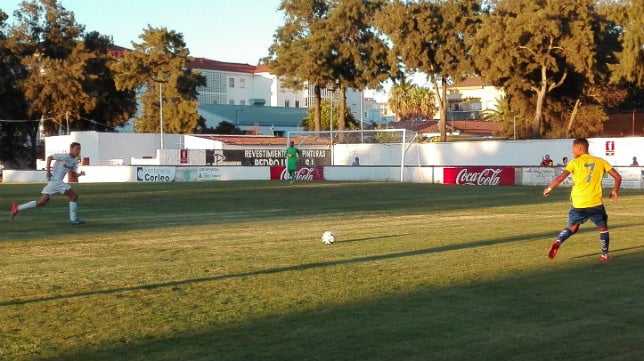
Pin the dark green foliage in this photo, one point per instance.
(227, 128)
(159, 65)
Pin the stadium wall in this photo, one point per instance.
(632, 177)
(144, 149)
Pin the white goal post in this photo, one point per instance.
(373, 147)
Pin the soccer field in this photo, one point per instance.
(237, 271)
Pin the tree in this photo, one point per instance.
(226, 127)
(113, 107)
(71, 68)
(15, 128)
(326, 114)
(629, 14)
(160, 62)
(55, 87)
(541, 43)
(431, 37)
(48, 39)
(360, 55)
(301, 53)
(408, 101)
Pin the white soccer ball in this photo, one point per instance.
(328, 237)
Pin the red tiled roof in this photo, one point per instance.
(208, 64)
(464, 126)
(475, 81)
(118, 51)
(475, 126)
(428, 126)
(262, 68)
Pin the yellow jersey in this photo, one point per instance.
(587, 174)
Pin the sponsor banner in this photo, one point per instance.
(183, 155)
(155, 174)
(479, 176)
(208, 173)
(277, 157)
(610, 148)
(301, 173)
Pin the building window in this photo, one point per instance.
(242, 83)
(287, 103)
(231, 82)
(297, 103)
(231, 102)
(242, 102)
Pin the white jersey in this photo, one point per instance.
(64, 163)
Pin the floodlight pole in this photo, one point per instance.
(160, 82)
(362, 116)
(332, 89)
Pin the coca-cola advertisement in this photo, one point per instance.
(479, 176)
(301, 173)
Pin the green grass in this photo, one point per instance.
(236, 271)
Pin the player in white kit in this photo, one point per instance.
(64, 163)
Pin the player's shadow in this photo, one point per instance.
(373, 238)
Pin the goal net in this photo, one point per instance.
(373, 147)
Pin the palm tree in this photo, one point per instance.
(409, 101)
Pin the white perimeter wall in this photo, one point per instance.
(493, 152)
(103, 148)
(423, 162)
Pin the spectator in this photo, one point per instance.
(546, 161)
(635, 162)
(356, 162)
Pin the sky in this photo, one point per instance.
(238, 31)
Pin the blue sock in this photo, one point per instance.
(564, 234)
(604, 240)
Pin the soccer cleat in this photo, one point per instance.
(14, 211)
(552, 252)
(77, 222)
(605, 258)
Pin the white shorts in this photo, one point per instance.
(54, 187)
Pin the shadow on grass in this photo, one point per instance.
(374, 238)
(588, 311)
(299, 267)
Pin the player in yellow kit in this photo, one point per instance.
(586, 195)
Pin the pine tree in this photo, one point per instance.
(159, 65)
(301, 53)
(533, 47)
(432, 37)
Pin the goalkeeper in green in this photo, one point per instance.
(292, 155)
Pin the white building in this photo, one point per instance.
(467, 99)
(250, 85)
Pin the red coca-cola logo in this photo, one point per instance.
(486, 177)
(479, 176)
(301, 173)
